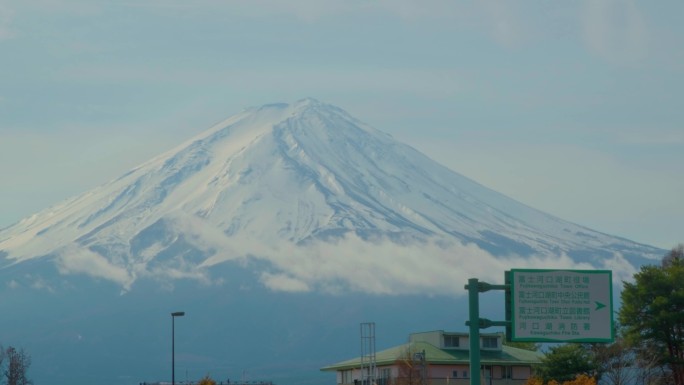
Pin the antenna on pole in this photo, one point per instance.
(368, 368)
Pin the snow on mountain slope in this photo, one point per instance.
(288, 177)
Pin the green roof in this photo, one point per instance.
(435, 355)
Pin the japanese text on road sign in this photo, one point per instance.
(561, 305)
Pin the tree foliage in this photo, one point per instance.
(651, 313)
(412, 368)
(17, 366)
(565, 362)
(206, 381)
(676, 255)
(615, 362)
(581, 379)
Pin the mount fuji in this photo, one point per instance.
(286, 222)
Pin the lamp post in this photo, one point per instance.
(173, 343)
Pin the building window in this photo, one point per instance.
(450, 341)
(490, 342)
(465, 374)
(346, 377)
(454, 374)
(521, 372)
(385, 374)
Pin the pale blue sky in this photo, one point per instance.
(575, 108)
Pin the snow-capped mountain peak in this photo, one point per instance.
(285, 174)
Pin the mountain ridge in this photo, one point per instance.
(296, 173)
(277, 231)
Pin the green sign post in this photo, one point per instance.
(475, 323)
(561, 305)
(545, 306)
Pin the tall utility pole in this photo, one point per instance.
(368, 353)
(173, 344)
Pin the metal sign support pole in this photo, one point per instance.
(475, 287)
(474, 317)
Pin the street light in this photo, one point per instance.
(173, 343)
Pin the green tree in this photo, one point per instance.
(566, 362)
(652, 313)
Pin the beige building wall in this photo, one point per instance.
(444, 375)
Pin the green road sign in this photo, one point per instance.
(561, 305)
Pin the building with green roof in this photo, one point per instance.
(439, 358)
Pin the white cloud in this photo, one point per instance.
(503, 22)
(282, 282)
(615, 30)
(6, 19)
(186, 271)
(357, 265)
(349, 264)
(69, 7)
(314, 10)
(41, 284)
(74, 259)
(622, 270)
(653, 137)
(354, 264)
(387, 268)
(305, 10)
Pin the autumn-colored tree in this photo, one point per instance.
(581, 379)
(412, 368)
(206, 381)
(534, 380)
